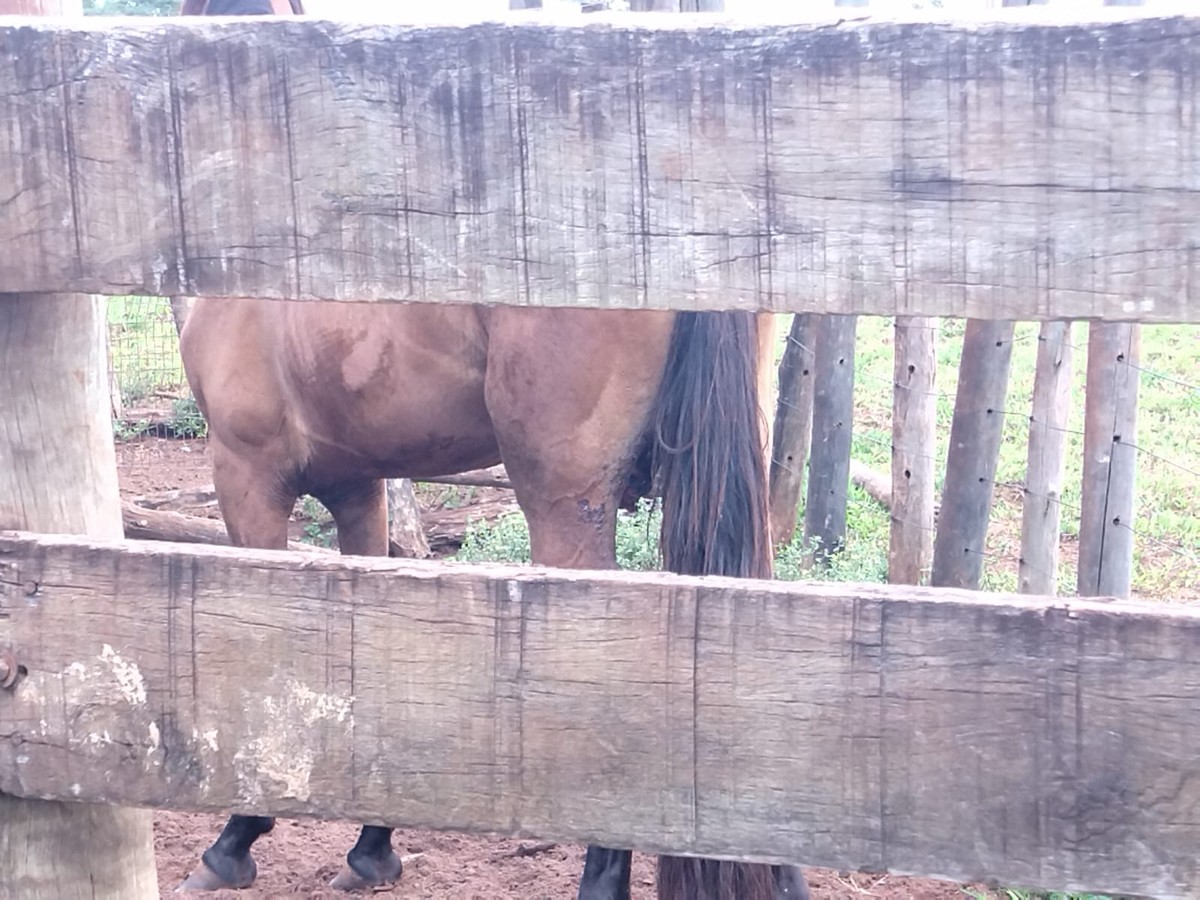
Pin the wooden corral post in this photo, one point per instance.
(793, 426)
(58, 473)
(1109, 460)
(832, 422)
(405, 536)
(1041, 512)
(975, 435)
(914, 417)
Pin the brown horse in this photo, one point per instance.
(587, 409)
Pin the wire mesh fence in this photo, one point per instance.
(143, 345)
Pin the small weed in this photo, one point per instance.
(319, 529)
(186, 419)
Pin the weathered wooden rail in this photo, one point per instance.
(1033, 740)
(1003, 171)
(997, 171)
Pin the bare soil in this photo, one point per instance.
(299, 858)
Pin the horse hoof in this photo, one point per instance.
(205, 879)
(386, 872)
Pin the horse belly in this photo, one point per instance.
(391, 392)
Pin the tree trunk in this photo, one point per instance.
(1109, 460)
(1041, 508)
(58, 474)
(406, 538)
(832, 425)
(793, 427)
(975, 435)
(914, 420)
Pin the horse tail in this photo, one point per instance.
(708, 458)
(709, 467)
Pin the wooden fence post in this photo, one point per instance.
(1109, 460)
(975, 435)
(1041, 509)
(793, 426)
(832, 424)
(914, 418)
(406, 538)
(58, 474)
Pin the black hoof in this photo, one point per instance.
(363, 872)
(237, 876)
(790, 884)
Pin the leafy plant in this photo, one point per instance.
(130, 7)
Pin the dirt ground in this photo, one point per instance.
(300, 857)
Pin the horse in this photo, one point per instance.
(589, 410)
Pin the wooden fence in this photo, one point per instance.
(814, 423)
(994, 172)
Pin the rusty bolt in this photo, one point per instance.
(8, 670)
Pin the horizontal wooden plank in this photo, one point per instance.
(1009, 170)
(1040, 742)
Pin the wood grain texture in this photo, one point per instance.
(1040, 742)
(58, 473)
(989, 170)
(1041, 507)
(792, 430)
(406, 537)
(976, 431)
(1109, 493)
(832, 427)
(914, 443)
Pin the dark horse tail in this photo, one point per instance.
(709, 468)
(708, 456)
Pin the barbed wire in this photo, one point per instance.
(1180, 550)
(1145, 370)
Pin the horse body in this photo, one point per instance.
(328, 399)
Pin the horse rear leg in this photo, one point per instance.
(255, 515)
(360, 511)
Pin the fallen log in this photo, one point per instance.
(878, 485)
(494, 477)
(192, 498)
(158, 525)
(206, 495)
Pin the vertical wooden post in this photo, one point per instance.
(1041, 511)
(58, 473)
(975, 435)
(832, 423)
(406, 537)
(914, 418)
(793, 426)
(1109, 460)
